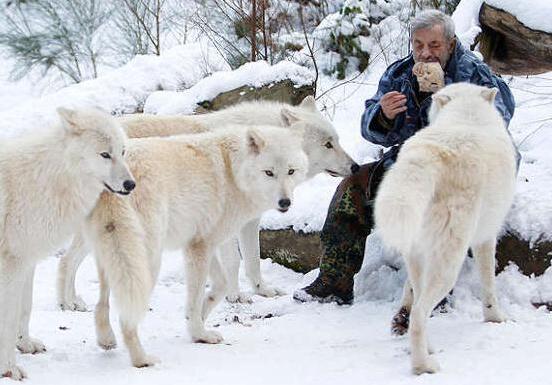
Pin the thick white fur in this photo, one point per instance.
(49, 183)
(450, 189)
(317, 133)
(193, 192)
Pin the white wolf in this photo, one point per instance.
(450, 190)
(193, 192)
(49, 183)
(320, 143)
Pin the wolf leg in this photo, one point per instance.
(229, 253)
(250, 247)
(430, 283)
(485, 257)
(25, 343)
(12, 282)
(104, 332)
(67, 271)
(198, 259)
(218, 287)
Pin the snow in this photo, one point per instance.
(120, 91)
(255, 75)
(534, 14)
(276, 341)
(466, 21)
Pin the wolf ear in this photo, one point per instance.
(254, 142)
(289, 117)
(489, 94)
(69, 120)
(440, 99)
(308, 103)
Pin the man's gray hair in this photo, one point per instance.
(429, 18)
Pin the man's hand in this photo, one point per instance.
(392, 104)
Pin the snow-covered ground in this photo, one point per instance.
(277, 341)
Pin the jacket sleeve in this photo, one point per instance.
(504, 100)
(373, 126)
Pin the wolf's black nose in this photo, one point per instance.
(284, 203)
(354, 168)
(129, 185)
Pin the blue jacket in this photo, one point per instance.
(463, 66)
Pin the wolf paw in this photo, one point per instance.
(208, 337)
(145, 361)
(74, 304)
(14, 372)
(28, 345)
(491, 314)
(239, 297)
(429, 365)
(108, 341)
(268, 291)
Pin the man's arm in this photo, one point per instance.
(375, 126)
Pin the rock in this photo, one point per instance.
(510, 47)
(283, 91)
(295, 250)
(301, 252)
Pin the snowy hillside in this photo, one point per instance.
(277, 341)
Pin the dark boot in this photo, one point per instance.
(348, 223)
(325, 289)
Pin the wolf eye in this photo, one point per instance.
(291, 171)
(105, 155)
(123, 153)
(328, 145)
(269, 173)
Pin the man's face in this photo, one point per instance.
(430, 45)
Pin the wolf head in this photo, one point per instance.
(274, 163)
(471, 97)
(96, 142)
(320, 141)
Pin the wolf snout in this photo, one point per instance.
(129, 185)
(354, 168)
(283, 204)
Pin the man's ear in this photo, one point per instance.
(288, 116)
(489, 94)
(440, 99)
(452, 45)
(69, 119)
(255, 143)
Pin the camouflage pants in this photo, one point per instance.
(348, 223)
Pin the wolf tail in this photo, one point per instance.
(403, 198)
(123, 258)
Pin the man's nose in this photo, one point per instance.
(425, 53)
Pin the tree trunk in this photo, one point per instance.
(253, 30)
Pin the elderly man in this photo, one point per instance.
(394, 114)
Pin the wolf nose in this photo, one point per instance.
(354, 168)
(284, 203)
(129, 185)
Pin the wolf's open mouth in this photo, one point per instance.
(333, 173)
(283, 210)
(115, 192)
